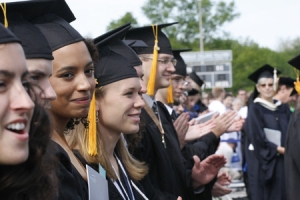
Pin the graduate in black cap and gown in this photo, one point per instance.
(292, 146)
(116, 108)
(266, 117)
(73, 81)
(159, 147)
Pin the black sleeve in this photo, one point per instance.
(67, 185)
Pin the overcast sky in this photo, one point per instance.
(264, 21)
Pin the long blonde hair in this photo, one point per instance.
(77, 139)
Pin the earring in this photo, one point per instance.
(97, 118)
(85, 122)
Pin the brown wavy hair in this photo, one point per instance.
(32, 179)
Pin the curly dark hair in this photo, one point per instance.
(32, 179)
(92, 49)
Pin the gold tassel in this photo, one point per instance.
(151, 82)
(92, 130)
(170, 99)
(297, 83)
(4, 14)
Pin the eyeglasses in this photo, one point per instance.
(164, 61)
(264, 85)
(180, 81)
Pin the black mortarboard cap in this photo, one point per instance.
(295, 62)
(135, 43)
(34, 43)
(266, 71)
(193, 92)
(33, 9)
(6, 36)
(180, 67)
(146, 34)
(55, 25)
(114, 57)
(286, 81)
(196, 79)
(289, 82)
(113, 40)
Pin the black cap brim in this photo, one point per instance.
(266, 71)
(196, 79)
(36, 8)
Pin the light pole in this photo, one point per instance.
(200, 27)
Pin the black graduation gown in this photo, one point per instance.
(112, 190)
(292, 158)
(264, 165)
(167, 173)
(114, 194)
(202, 147)
(71, 184)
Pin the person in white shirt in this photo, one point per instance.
(216, 104)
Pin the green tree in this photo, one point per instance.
(186, 12)
(127, 18)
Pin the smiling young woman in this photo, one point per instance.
(23, 141)
(73, 82)
(118, 103)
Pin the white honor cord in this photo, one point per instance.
(135, 187)
(118, 187)
(138, 190)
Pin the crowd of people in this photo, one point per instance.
(123, 104)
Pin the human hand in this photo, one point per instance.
(223, 122)
(203, 172)
(280, 150)
(198, 130)
(224, 178)
(237, 125)
(219, 190)
(181, 126)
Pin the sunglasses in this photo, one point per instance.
(264, 85)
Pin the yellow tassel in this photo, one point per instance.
(297, 86)
(4, 14)
(92, 130)
(170, 99)
(152, 77)
(297, 83)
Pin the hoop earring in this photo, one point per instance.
(97, 118)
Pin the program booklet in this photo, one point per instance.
(273, 136)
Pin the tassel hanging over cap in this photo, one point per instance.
(297, 83)
(4, 14)
(170, 99)
(92, 130)
(151, 82)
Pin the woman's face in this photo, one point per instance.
(16, 105)
(265, 88)
(40, 70)
(120, 106)
(72, 80)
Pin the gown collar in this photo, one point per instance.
(267, 104)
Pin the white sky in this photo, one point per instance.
(264, 21)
